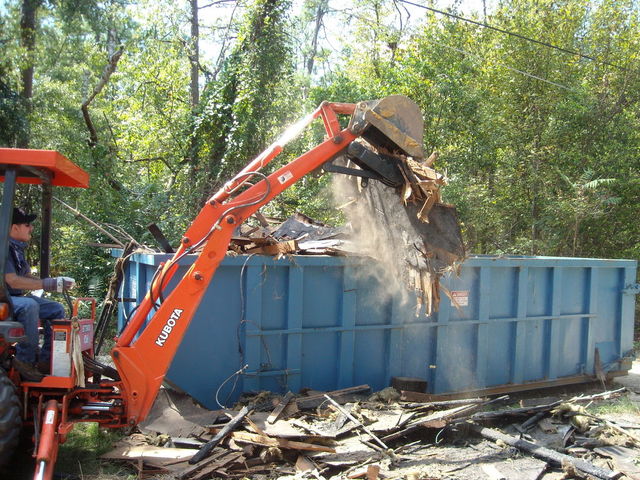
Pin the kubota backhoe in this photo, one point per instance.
(377, 140)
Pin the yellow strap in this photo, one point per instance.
(76, 352)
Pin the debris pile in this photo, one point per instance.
(352, 434)
(299, 234)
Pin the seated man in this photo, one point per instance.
(31, 361)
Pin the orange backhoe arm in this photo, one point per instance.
(142, 362)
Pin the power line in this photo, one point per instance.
(522, 72)
(514, 34)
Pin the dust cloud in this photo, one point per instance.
(383, 230)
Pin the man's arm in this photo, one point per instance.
(54, 284)
(23, 283)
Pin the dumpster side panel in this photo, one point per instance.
(333, 322)
(209, 353)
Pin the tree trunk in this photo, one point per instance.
(194, 58)
(195, 54)
(320, 12)
(28, 42)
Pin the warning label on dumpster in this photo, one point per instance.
(460, 298)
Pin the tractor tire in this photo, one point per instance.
(10, 420)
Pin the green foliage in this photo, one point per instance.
(241, 109)
(516, 147)
(540, 146)
(13, 123)
(620, 406)
(12, 115)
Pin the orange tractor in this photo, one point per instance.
(79, 388)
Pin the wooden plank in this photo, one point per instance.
(442, 404)
(191, 469)
(256, 439)
(279, 408)
(522, 387)
(303, 464)
(255, 427)
(341, 396)
(357, 422)
(210, 445)
(206, 472)
(148, 451)
(546, 454)
(289, 246)
(434, 420)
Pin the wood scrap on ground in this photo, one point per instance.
(370, 437)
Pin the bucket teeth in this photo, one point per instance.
(393, 123)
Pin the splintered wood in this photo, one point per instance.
(411, 232)
(295, 437)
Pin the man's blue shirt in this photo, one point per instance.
(17, 262)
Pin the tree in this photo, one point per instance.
(240, 109)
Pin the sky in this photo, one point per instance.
(334, 31)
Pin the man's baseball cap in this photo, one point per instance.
(20, 216)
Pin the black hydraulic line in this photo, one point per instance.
(110, 303)
(95, 366)
(67, 299)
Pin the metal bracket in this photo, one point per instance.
(631, 289)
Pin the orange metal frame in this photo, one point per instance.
(142, 362)
(64, 173)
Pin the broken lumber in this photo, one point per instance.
(355, 420)
(246, 437)
(546, 454)
(515, 412)
(531, 422)
(442, 404)
(429, 420)
(280, 248)
(340, 396)
(210, 445)
(189, 471)
(212, 467)
(144, 452)
(528, 411)
(279, 408)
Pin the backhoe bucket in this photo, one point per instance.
(391, 124)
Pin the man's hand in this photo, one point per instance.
(58, 284)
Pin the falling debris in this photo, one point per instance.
(416, 238)
(414, 235)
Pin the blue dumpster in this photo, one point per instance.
(331, 322)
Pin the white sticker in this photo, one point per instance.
(60, 358)
(48, 420)
(460, 298)
(285, 177)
